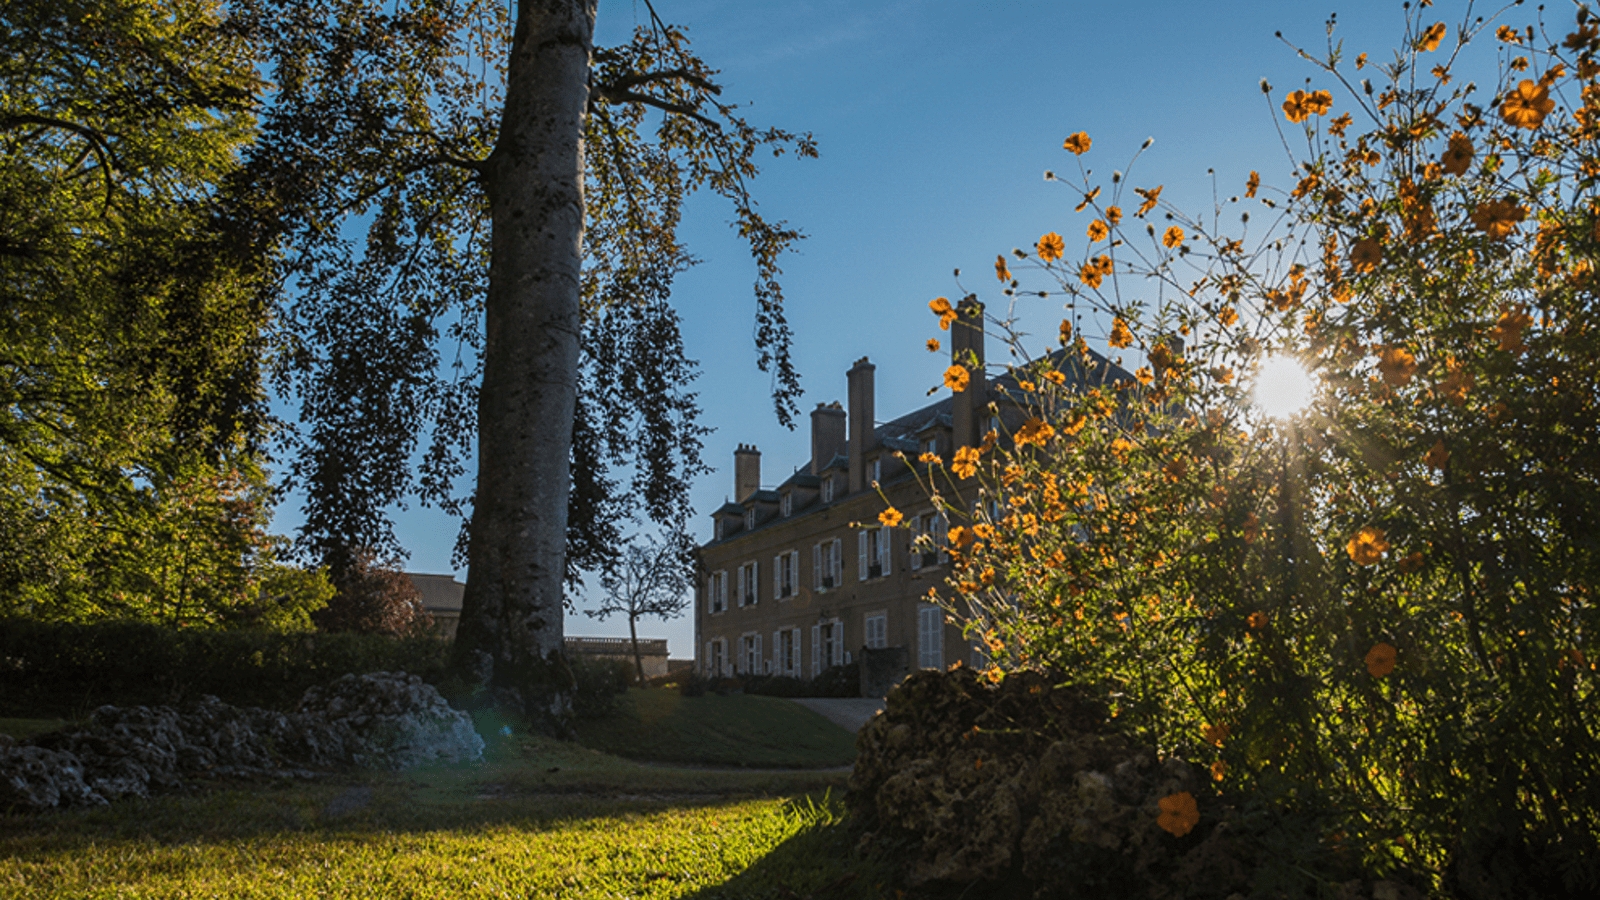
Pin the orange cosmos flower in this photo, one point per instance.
(1216, 734)
(956, 378)
(1380, 660)
(965, 464)
(1498, 218)
(1034, 431)
(1397, 365)
(1366, 255)
(1120, 335)
(1253, 184)
(1258, 620)
(1301, 104)
(1077, 143)
(1527, 106)
(1151, 198)
(1218, 770)
(1179, 813)
(1172, 237)
(932, 458)
(1000, 270)
(1431, 38)
(1098, 230)
(1066, 331)
(1113, 214)
(941, 307)
(1144, 376)
(933, 345)
(1508, 331)
(1458, 156)
(1056, 378)
(890, 517)
(1368, 546)
(1052, 247)
(1508, 35)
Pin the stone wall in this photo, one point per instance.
(384, 720)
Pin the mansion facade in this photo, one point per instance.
(802, 576)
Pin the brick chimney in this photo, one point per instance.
(746, 472)
(827, 434)
(970, 413)
(862, 420)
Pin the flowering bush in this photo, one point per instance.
(1380, 606)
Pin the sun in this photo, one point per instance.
(1283, 387)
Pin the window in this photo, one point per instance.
(930, 636)
(786, 652)
(877, 469)
(873, 553)
(827, 488)
(931, 445)
(750, 519)
(785, 569)
(722, 529)
(876, 627)
(827, 645)
(787, 505)
(750, 654)
(716, 657)
(745, 585)
(717, 592)
(825, 565)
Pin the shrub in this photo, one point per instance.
(1382, 606)
(777, 686)
(67, 669)
(838, 681)
(600, 681)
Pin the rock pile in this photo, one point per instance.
(1025, 787)
(385, 720)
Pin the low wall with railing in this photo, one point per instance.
(653, 651)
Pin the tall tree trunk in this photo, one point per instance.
(510, 637)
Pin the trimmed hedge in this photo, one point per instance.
(63, 669)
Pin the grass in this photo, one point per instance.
(23, 728)
(539, 819)
(735, 730)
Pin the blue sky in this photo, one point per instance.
(936, 121)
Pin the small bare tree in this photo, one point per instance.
(651, 579)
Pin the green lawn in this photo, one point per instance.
(539, 819)
(735, 730)
(22, 728)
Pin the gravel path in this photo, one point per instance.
(849, 713)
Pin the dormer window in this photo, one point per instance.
(877, 468)
(931, 446)
(827, 489)
(787, 505)
(750, 519)
(722, 529)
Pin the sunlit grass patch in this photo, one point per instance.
(539, 818)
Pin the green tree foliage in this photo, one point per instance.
(131, 343)
(483, 211)
(1378, 611)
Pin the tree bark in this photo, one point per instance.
(510, 637)
(633, 635)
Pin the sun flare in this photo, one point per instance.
(1283, 387)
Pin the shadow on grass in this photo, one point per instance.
(817, 863)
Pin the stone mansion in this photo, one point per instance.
(802, 576)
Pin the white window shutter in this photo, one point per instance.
(755, 580)
(837, 562)
(705, 663)
(756, 670)
(794, 569)
(816, 650)
(885, 541)
(816, 567)
(777, 576)
(861, 554)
